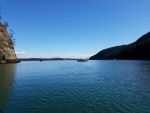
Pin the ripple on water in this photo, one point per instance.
(72, 87)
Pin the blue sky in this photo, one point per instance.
(74, 28)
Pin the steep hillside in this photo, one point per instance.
(138, 50)
(7, 53)
(109, 53)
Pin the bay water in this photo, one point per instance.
(112, 86)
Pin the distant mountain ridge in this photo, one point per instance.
(138, 50)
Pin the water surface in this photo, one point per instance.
(75, 87)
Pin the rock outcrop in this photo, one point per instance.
(7, 53)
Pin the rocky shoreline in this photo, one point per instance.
(9, 61)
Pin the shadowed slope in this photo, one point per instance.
(139, 50)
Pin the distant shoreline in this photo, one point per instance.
(45, 59)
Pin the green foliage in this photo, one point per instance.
(11, 34)
(6, 24)
(109, 53)
(137, 50)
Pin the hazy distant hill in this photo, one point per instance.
(139, 49)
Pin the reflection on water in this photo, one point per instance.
(6, 77)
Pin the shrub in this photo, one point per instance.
(6, 24)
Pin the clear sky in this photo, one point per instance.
(74, 28)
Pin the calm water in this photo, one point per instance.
(75, 87)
